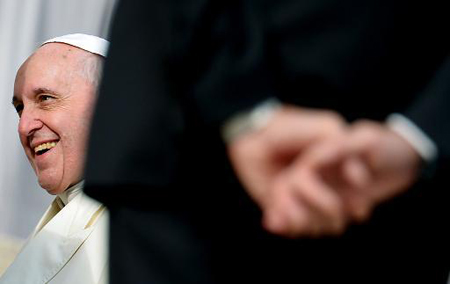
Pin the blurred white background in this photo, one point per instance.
(24, 24)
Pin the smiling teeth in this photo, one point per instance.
(44, 146)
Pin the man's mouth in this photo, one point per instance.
(44, 147)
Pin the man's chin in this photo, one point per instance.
(51, 188)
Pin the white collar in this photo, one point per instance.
(69, 194)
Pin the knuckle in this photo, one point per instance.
(332, 117)
(332, 122)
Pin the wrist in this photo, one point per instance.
(250, 120)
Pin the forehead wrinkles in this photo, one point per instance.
(66, 64)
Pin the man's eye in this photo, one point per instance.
(45, 98)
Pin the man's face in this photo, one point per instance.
(55, 103)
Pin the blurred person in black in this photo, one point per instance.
(178, 72)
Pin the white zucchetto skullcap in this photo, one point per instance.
(93, 44)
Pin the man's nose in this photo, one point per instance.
(29, 122)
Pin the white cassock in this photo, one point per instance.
(68, 246)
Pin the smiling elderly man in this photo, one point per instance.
(54, 95)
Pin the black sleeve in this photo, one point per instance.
(431, 111)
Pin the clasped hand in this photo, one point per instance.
(313, 174)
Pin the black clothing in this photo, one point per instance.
(177, 70)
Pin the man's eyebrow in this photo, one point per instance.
(41, 90)
(36, 91)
